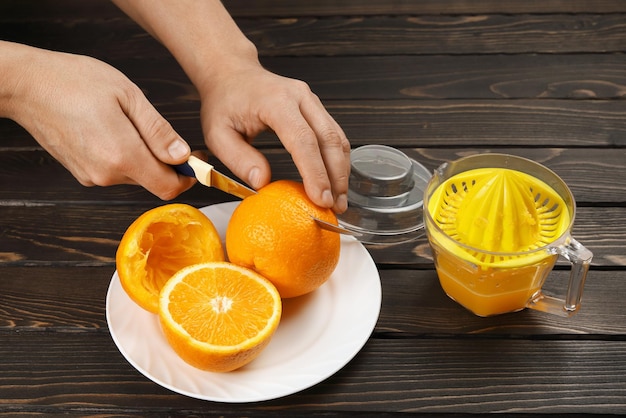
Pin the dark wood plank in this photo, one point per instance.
(33, 177)
(72, 299)
(33, 10)
(415, 77)
(426, 123)
(68, 299)
(576, 76)
(340, 35)
(454, 77)
(429, 123)
(432, 74)
(382, 7)
(415, 305)
(436, 34)
(90, 34)
(88, 235)
(471, 123)
(408, 375)
(54, 9)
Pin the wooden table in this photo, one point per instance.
(436, 79)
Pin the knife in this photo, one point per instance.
(208, 176)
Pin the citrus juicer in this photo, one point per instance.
(498, 210)
(497, 224)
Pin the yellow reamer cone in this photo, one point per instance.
(498, 210)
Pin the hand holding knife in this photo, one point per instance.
(208, 176)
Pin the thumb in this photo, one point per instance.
(157, 133)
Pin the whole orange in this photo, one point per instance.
(273, 233)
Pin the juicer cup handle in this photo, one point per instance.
(580, 258)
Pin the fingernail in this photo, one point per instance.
(342, 203)
(178, 149)
(327, 199)
(254, 177)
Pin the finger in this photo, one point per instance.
(245, 161)
(137, 161)
(150, 173)
(300, 141)
(334, 148)
(164, 182)
(157, 133)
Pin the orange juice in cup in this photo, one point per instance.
(497, 224)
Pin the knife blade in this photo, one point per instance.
(208, 176)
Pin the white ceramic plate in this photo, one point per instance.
(319, 333)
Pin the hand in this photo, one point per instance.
(240, 98)
(241, 103)
(97, 123)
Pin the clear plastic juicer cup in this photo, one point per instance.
(497, 224)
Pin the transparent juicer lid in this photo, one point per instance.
(385, 195)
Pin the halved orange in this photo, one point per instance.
(219, 316)
(160, 242)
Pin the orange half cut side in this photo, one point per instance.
(219, 316)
